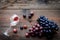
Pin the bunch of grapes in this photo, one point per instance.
(44, 27)
(49, 27)
(35, 31)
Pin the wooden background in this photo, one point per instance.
(5, 15)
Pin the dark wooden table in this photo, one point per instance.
(5, 22)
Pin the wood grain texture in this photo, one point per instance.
(5, 15)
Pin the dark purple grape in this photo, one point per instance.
(24, 16)
(29, 16)
(21, 28)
